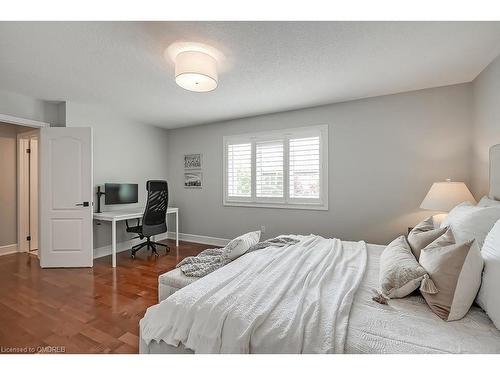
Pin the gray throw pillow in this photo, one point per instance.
(422, 235)
(400, 273)
(240, 245)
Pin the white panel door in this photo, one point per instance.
(66, 189)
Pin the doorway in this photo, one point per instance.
(27, 191)
(58, 217)
(19, 185)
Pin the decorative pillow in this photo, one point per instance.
(455, 270)
(239, 246)
(423, 234)
(470, 222)
(489, 296)
(400, 274)
(487, 202)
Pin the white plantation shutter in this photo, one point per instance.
(239, 170)
(282, 168)
(304, 167)
(269, 169)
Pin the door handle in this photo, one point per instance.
(84, 204)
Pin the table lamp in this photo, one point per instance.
(443, 196)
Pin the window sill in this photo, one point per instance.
(292, 206)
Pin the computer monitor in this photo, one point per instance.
(120, 193)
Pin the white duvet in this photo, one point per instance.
(292, 299)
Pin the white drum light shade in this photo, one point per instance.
(443, 196)
(196, 71)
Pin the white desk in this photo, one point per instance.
(135, 213)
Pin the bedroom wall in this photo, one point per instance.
(486, 124)
(8, 185)
(124, 151)
(29, 108)
(384, 153)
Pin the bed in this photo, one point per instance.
(402, 326)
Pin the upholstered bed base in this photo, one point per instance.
(494, 191)
(170, 282)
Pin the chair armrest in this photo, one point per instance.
(138, 223)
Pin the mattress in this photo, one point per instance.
(403, 326)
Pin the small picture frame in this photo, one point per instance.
(193, 180)
(192, 161)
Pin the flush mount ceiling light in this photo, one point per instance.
(196, 71)
(196, 65)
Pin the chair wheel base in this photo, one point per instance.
(149, 245)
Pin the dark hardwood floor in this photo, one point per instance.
(88, 310)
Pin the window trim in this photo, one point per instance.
(285, 202)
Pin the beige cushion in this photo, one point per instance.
(400, 274)
(239, 246)
(455, 270)
(422, 235)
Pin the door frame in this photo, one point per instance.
(24, 186)
(36, 125)
(23, 121)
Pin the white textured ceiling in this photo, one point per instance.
(271, 67)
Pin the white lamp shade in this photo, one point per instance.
(196, 71)
(443, 196)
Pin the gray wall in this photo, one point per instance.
(384, 153)
(486, 97)
(29, 108)
(124, 151)
(8, 184)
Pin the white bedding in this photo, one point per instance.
(292, 299)
(404, 326)
(408, 325)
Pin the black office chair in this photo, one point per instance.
(154, 218)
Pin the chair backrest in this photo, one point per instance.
(154, 218)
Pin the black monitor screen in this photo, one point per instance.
(120, 193)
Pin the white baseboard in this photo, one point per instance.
(8, 249)
(126, 245)
(214, 241)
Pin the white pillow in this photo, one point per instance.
(487, 202)
(240, 245)
(489, 296)
(470, 222)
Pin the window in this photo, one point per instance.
(269, 169)
(239, 170)
(282, 169)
